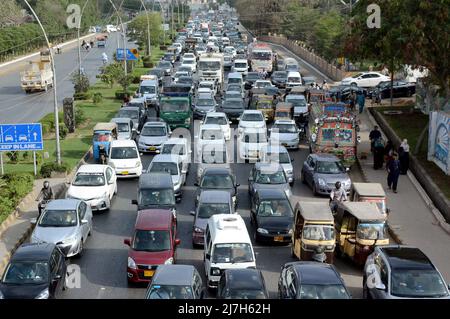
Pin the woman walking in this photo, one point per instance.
(393, 169)
(403, 152)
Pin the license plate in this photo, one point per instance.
(148, 273)
(152, 149)
(125, 173)
(278, 238)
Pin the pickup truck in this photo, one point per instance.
(38, 75)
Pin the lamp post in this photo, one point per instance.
(55, 97)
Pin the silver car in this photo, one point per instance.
(213, 154)
(153, 135)
(66, 223)
(322, 171)
(172, 164)
(267, 176)
(286, 133)
(279, 154)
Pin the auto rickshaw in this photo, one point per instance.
(101, 41)
(313, 232)
(318, 96)
(265, 105)
(104, 133)
(370, 192)
(360, 226)
(284, 111)
(254, 95)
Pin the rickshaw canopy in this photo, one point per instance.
(105, 126)
(363, 210)
(369, 189)
(318, 211)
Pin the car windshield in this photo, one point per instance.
(151, 240)
(232, 253)
(252, 76)
(123, 127)
(174, 106)
(204, 102)
(131, 114)
(275, 208)
(86, 179)
(217, 182)
(283, 114)
(219, 120)
(209, 65)
(318, 232)
(252, 117)
(337, 135)
(234, 81)
(170, 292)
(308, 291)
(234, 87)
(233, 104)
(156, 197)
(207, 210)
(417, 283)
(330, 168)
(211, 134)
(262, 84)
(372, 231)
(147, 90)
(279, 75)
(261, 55)
(285, 128)
(26, 273)
(165, 65)
(154, 131)
(229, 95)
(357, 75)
(240, 65)
(58, 218)
(174, 149)
(164, 167)
(293, 79)
(124, 153)
(296, 101)
(246, 294)
(185, 80)
(265, 177)
(188, 62)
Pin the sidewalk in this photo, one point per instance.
(410, 219)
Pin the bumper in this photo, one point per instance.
(198, 238)
(137, 276)
(128, 172)
(213, 281)
(150, 148)
(290, 145)
(274, 238)
(325, 190)
(99, 204)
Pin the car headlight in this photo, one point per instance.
(174, 213)
(321, 182)
(131, 263)
(169, 261)
(234, 198)
(138, 163)
(329, 247)
(44, 294)
(288, 171)
(262, 231)
(198, 230)
(290, 232)
(215, 271)
(69, 240)
(198, 198)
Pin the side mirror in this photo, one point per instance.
(208, 256)
(33, 221)
(84, 222)
(134, 202)
(57, 277)
(127, 241)
(177, 242)
(196, 184)
(380, 286)
(192, 213)
(237, 184)
(178, 199)
(388, 211)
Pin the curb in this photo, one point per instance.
(22, 239)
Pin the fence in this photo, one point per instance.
(322, 65)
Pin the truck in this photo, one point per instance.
(38, 76)
(204, 27)
(175, 105)
(211, 68)
(261, 57)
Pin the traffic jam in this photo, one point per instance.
(232, 156)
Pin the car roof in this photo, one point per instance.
(167, 158)
(154, 219)
(369, 189)
(92, 168)
(176, 140)
(210, 127)
(268, 166)
(259, 130)
(121, 120)
(226, 228)
(252, 112)
(271, 193)
(284, 122)
(35, 251)
(244, 278)
(293, 73)
(217, 171)
(404, 257)
(325, 157)
(240, 61)
(214, 196)
(148, 82)
(129, 108)
(155, 123)
(311, 272)
(63, 204)
(203, 95)
(315, 210)
(174, 275)
(155, 180)
(235, 75)
(215, 114)
(123, 143)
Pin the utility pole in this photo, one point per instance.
(171, 7)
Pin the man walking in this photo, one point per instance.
(361, 101)
(393, 169)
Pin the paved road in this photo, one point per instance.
(103, 265)
(18, 107)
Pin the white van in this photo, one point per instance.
(124, 158)
(227, 246)
(149, 90)
(241, 66)
(293, 79)
(235, 78)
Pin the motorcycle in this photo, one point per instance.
(319, 254)
(302, 130)
(41, 206)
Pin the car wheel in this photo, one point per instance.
(354, 84)
(314, 190)
(292, 183)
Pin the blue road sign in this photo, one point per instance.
(130, 55)
(21, 137)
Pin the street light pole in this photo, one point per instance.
(55, 97)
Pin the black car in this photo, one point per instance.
(242, 284)
(136, 114)
(233, 108)
(203, 103)
(272, 216)
(401, 89)
(308, 80)
(342, 92)
(35, 271)
(311, 280)
(155, 191)
(251, 78)
(159, 73)
(279, 78)
(219, 178)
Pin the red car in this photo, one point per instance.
(154, 243)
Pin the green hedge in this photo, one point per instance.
(13, 187)
(48, 168)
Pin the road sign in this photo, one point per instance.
(21, 137)
(132, 55)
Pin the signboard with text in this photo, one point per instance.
(21, 137)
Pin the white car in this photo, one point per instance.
(192, 63)
(95, 184)
(250, 143)
(189, 56)
(111, 28)
(208, 133)
(261, 84)
(365, 79)
(251, 119)
(125, 159)
(178, 146)
(230, 50)
(221, 119)
(178, 46)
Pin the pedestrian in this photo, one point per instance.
(373, 136)
(393, 169)
(352, 99)
(361, 100)
(378, 153)
(325, 85)
(388, 152)
(91, 43)
(403, 156)
(88, 47)
(83, 44)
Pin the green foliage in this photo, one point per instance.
(79, 116)
(63, 131)
(80, 82)
(111, 73)
(48, 168)
(138, 29)
(13, 156)
(82, 96)
(121, 94)
(97, 98)
(13, 188)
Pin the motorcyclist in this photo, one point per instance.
(337, 195)
(45, 195)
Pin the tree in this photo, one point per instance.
(10, 13)
(80, 82)
(137, 29)
(111, 73)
